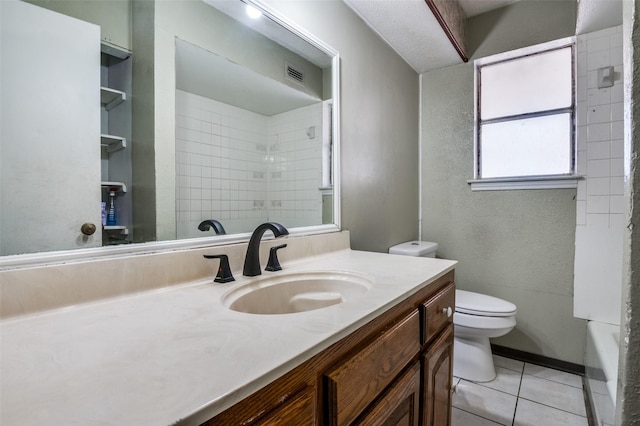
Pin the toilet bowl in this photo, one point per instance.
(478, 318)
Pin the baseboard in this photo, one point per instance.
(542, 360)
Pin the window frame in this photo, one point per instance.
(566, 180)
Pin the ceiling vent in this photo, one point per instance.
(294, 74)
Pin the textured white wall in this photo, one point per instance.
(628, 406)
(517, 245)
(379, 125)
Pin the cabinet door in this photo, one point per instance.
(50, 143)
(437, 369)
(399, 405)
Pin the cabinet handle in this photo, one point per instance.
(88, 228)
(447, 311)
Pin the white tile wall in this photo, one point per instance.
(600, 204)
(243, 168)
(295, 146)
(218, 164)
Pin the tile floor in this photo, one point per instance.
(522, 394)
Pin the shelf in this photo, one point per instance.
(326, 190)
(111, 98)
(113, 143)
(120, 186)
(115, 105)
(116, 228)
(113, 50)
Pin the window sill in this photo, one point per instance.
(507, 184)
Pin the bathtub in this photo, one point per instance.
(601, 368)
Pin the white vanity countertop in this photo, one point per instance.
(177, 355)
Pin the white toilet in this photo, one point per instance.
(476, 319)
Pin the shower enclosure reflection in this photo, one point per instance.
(266, 168)
(246, 164)
(251, 144)
(252, 105)
(244, 137)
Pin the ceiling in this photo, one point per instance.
(477, 7)
(207, 74)
(410, 28)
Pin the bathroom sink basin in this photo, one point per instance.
(298, 292)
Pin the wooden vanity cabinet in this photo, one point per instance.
(394, 370)
(355, 382)
(400, 404)
(437, 369)
(298, 410)
(437, 360)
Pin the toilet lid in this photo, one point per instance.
(472, 303)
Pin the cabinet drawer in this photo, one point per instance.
(299, 411)
(437, 312)
(355, 383)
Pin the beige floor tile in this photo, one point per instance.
(506, 380)
(529, 413)
(462, 418)
(554, 375)
(511, 364)
(553, 394)
(522, 394)
(485, 402)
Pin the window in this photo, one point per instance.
(525, 111)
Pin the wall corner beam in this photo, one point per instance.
(452, 19)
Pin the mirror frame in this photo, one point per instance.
(79, 255)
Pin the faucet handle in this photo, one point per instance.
(224, 271)
(273, 264)
(207, 224)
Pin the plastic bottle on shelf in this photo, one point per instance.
(112, 219)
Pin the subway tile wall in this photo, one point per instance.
(295, 166)
(600, 202)
(244, 168)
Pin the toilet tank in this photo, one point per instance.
(415, 248)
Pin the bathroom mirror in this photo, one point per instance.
(226, 117)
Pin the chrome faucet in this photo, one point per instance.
(252, 258)
(206, 225)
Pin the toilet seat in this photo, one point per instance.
(483, 322)
(471, 303)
